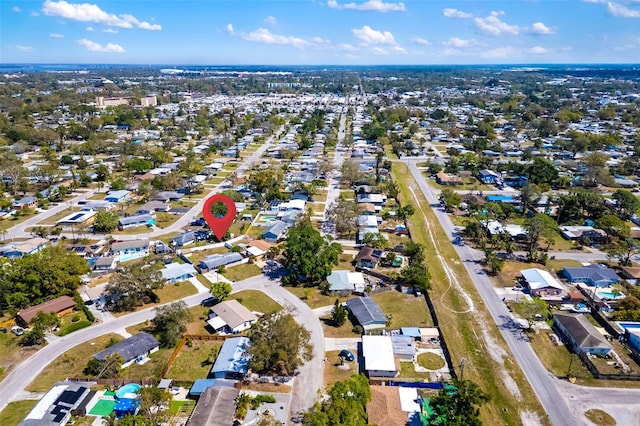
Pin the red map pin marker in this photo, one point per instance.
(219, 225)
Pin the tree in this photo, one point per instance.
(109, 367)
(154, 404)
(170, 322)
(308, 256)
(346, 404)
(130, 286)
(265, 180)
(139, 165)
(404, 212)
(221, 290)
(614, 227)
(458, 405)
(539, 226)
(106, 221)
(529, 194)
(542, 171)
(279, 345)
(450, 199)
(623, 250)
(534, 307)
(627, 204)
(495, 262)
(351, 172)
(344, 215)
(339, 314)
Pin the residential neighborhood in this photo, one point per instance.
(397, 242)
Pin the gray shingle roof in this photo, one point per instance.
(130, 348)
(366, 311)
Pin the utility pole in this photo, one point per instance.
(463, 361)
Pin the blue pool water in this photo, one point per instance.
(609, 295)
(267, 218)
(130, 388)
(500, 198)
(629, 325)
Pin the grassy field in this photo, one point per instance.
(15, 412)
(334, 374)
(70, 363)
(405, 310)
(345, 330)
(12, 353)
(257, 301)
(168, 293)
(466, 332)
(312, 296)
(431, 361)
(194, 362)
(242, 272)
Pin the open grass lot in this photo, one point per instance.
(345, 261)
(242, 272)
(15, 412)
(164, 220)
(464, 330)
(70, 363)
(168, 293)
(194, 362)
(257, 301)
(152, 369)
(332, 373)
(407, 371)
(198, 318)
(312, 296)
(468, 184)
(345, 330)
(12, 353)
(431, 361)
(405, 310)
(181, 408)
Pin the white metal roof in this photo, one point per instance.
(378, 353)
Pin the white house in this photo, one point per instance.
(230, 317)
(379, 360)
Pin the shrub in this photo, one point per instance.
(260, 399)
(75, 318)
(74, 327)
(358, 329)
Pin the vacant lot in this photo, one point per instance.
(404, 310)
(242, 272)
(334, 372)
(194, 362)
(15, 412)
(257, 301)
(312, 297)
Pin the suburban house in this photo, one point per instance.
(232, 361)
(379, 360)
(593, 275)
(446, 179)
(136, 220)
(105, 264)
(258, 248)
(132, 349)
(489, 177)
(79, 219)
(129, 250)
(368, 257)
(230, 316)
(166, 196)
(217, 260)
(580, 232)
(25, 203)
(16, 250)
(177, 272)
(404, 347)
(580, 334)
(367, 313)
(63, 401)
(631, 274)
(117, 196)
(151, 207)
(393, 405)
(633, 338)
(201, 385)
(541, 283)
(60, 305)
(216, 407)
(377, 200)
(184, 239)
(345, 283)
(275, 231)
(97, 205)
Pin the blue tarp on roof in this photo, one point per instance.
(410, 331)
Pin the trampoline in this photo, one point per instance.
(103, 408)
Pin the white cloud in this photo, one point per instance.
(85, 12)
(319, 40)
(263, 35)
(459, 43)
(492, 25)
(455, 13)
(271, 20)
(54, 35)
(537, 50)
(16, 9)
(26, 49)
(420, 40)
(369, 35)
(110, 31)
(622, 11)
(540, 28)
(230, 29)
(452, 52)
(89, 29)
(376, 5)
(96, 47)
(500, 53)
(346, 47)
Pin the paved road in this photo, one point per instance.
(18, 231)
(333, 191)
(559, 399)
(306, 385)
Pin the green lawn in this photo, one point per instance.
(407, 371)
(168, 293)
(405, 310)
(431, 361)
(312, 296)
(255, 300)
(15, 412)
(194, 362)
(51, 220)
(181, 408)
(242, 272)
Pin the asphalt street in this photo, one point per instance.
(559, 399)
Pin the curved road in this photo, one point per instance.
(563, 402)
(306, 384)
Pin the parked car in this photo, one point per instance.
(345, 354)
(209, 301)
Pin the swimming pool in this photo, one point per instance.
(267, 218)
(629, 325)
(610, 295)
(127, 389)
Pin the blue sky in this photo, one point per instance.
(281, 32)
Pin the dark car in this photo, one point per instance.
(346, 355)
(209, 301)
